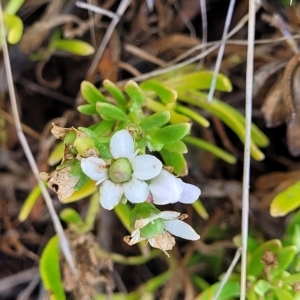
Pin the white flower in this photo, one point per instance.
(158, 227)
(126, 174)
(166, 188)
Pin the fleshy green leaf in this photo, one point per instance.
(13, 6)
(110, 112)
(155, 120)
(56, 154)
(29, 203)
(193, 115)
(88, 189)
(50, 270)
(255, 266)
(286, 201)
(175, 160)
(165, 93)
(136, 95)
(116, 93)
(103, 127)
(261, 287)
(87, 109)
(200, 209)
(90, 93)
(76, 47)
(177, 146)
(123, 212)
(70, 216)
(283, 294)
(291, 279)
(284, 258)
(158, 107)
(200, 100)
(230, 290)
(199, 80)
(170, 133)
(14, 27)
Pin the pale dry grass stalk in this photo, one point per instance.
(221, 50)
(246, 166)
(228, 273)
(24, 143)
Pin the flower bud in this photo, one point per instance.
(84, 144)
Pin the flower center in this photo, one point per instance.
(120, 170)
(153, 228)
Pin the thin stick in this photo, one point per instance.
(96, 9)
(228, 273)
(221, 50)
(246, 170)
(56, 222)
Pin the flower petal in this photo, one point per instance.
(146, 166)
(136, 191)
(95, 168)
(181, 229)
(168, 215)
(165, 188)
(190, 193)
(110, 194)
(121, 145)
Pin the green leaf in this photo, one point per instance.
(200, 209)
(218, 152)
(29, 203)
(91, 94)
(286, 201)
(291, 279)
(116, 93)
(166, 94)
(88, 189)
(50, 269)
(255, 266)
(170, 133)
(14, 27)
(230, 290)
(200, 100)
(193, 115)
(158, 107)
(87, 109)
(103, 149)
(56, 154)
(284, 258)
(199, 80)
(282, 294)
(73, 46)
(70, 216)
(136, 95)
(13, 6)
(175, 160)
(123, 212)
(110, 112)
(155, 120)
(261, 287)
(103, 127)
(177, 147)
